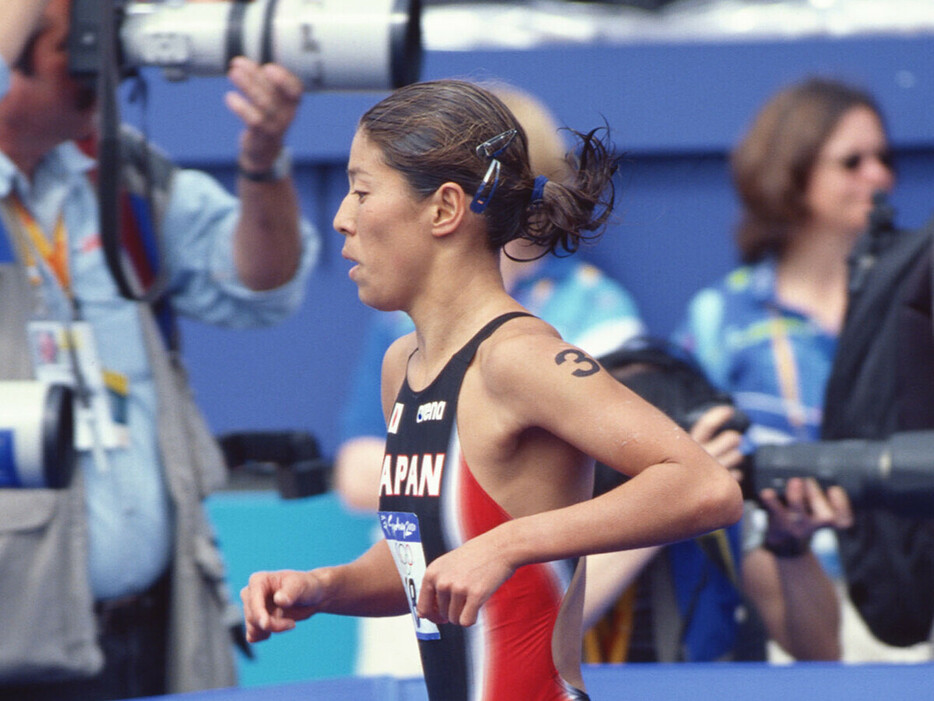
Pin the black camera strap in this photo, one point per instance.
(110, 161)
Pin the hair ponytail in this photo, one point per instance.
(455, 131)
(562, 215)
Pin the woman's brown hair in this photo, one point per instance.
(773, 162)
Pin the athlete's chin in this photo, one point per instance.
(372, 295)
(365, 295)
(380, 304)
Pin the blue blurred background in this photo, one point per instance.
(675, 108)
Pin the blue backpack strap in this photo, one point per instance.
(6, 247)
(140, 241)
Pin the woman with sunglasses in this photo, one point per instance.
(807, 173)
(493, 420)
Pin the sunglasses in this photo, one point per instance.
(854, 161)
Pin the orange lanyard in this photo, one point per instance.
(55, 253)
(787, 368)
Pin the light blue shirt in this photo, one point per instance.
(129, 512)
(733, 328)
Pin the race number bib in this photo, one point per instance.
(405, 542)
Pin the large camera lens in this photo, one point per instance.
(36, 435)
(328, 44)
(58, 442)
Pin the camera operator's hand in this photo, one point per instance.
(267, 101)
(722, 445)
(268, 243)
(803, 509)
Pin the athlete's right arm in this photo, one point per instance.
(273, 602)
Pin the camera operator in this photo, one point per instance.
(114, 586)
(879, 397)
(876, 452)
(705, 599)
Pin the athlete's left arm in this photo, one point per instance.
(676, 491)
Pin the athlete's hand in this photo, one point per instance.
(458, 583)
(274, 601)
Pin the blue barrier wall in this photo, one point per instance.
(259, 531)
(675, 109)
(647, 682)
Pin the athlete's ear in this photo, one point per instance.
(448, 209)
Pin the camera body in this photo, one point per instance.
(293, 458)
(328, 44)
(36, 435)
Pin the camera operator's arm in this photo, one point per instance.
(267, 245)
(784, 579)
(608, 576)
(17, 20)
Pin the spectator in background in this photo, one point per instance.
(114, 587)
(806, 172)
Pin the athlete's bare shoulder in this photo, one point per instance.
(400, 350)
(525, 350)
(394, 363)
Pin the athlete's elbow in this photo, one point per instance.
(725, 501)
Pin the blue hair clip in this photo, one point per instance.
(538, 190)
(491, 148)
(487, 188)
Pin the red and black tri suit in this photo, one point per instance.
(430, 504)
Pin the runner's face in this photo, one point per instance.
(385, 228)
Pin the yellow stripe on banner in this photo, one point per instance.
(117, 382)
(716, 545)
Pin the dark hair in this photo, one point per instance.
(430, 131)
(772, 164)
